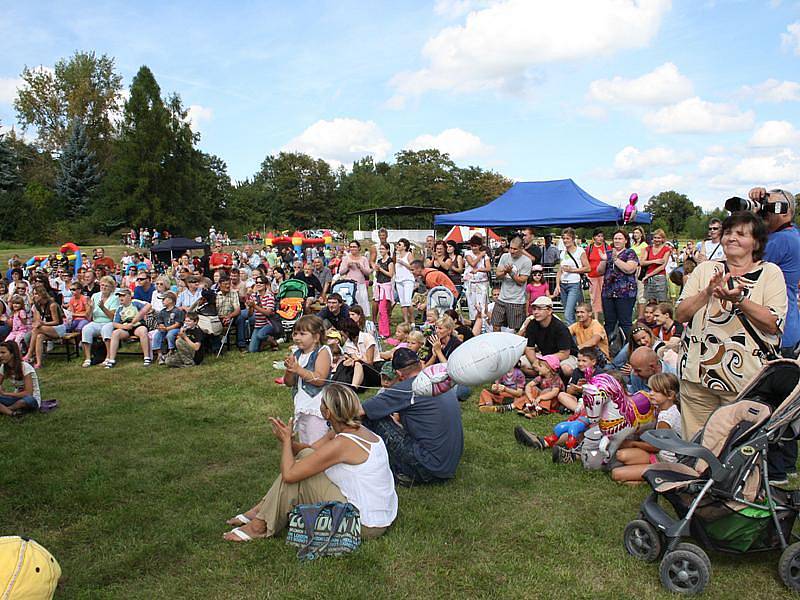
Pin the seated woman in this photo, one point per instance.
(358, 367)
(641, 335)
(443, 342)
(349, 464)
(23, 378)
(103, 306)
(128, 321)
(48, 324)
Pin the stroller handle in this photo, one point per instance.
(668, 439)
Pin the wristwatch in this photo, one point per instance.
(740, 299)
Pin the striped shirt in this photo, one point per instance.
(265, 301)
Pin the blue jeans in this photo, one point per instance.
(259, 335)
(4, 331)
(171, 336)
(571, 294)
(241, 328)
(618, 311)
(400, 447)
(30, 401)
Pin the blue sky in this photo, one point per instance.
(699, 96)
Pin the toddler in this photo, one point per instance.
(503, 391)
(541, 392)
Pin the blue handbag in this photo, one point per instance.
(324, 529)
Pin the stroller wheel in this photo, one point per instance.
(684, 572)
(697, 550)
(642, 541)
(789, 566)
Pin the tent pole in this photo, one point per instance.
(359, 222)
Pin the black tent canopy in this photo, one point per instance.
(396, 210)
(175, 247)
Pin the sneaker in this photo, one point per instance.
(778, 481)
(403, 480)
(526, 438)
(147, 362)
(563, 456)
(86, 364)
(162, 360)
(791, 474)
(109, 364)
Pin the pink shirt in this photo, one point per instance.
(357, 270)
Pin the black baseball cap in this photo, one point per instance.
(404, 357)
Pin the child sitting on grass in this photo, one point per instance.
(587, 365)
(417, 342)
(637, 456)
(400, 340)
(541, 392)
(503, 392)
(429, 326)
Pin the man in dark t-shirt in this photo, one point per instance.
(335, 311)
(548, 335)
(429, 444)
(529, 247)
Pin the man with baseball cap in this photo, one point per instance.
(549, 336)
(427, 445)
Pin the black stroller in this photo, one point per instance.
(719, 488)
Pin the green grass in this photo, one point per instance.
(130, 481)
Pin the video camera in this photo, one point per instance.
(759, 207)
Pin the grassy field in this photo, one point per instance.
(130, 481)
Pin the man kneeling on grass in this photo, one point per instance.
(427, 444)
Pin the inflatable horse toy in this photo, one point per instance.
(617, 413)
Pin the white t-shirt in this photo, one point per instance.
(19, 385)
(712, 250)
(671, 417)
(470, 274)
(567, 261)
(304, 403)
(401, 272)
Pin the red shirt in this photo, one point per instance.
(220, 259)
(650, 255)
(595, 254)
(104, 262)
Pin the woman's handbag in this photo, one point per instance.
(324, 529)
(585, 283)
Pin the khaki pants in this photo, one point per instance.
(183, 355)
(697, 404)
(282, 497)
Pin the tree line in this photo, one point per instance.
(102, 161)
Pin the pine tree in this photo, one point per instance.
(79, 172)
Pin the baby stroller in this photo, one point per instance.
(440, 298)
(291, 298)
(346, 288)
(719, 488)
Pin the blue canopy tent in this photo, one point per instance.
(540, 203)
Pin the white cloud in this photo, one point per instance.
(780, 168)
(459, 144)
(791, 40)
(593, 111)
(774, 134)
(663, 85)
(341, 141)
(495, 47)
(773, 90)
(699, 116)
(197, 115)
(457, 8)
(647, 187)
(8, 89)
(632, 162)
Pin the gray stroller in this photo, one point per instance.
(719, 488)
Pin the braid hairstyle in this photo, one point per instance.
(342, 404)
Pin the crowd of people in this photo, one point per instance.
(690, 327)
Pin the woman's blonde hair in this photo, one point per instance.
(404, 327)
(660, 233)
(569, 231)
(342, 404)
(447, 322)
(665, 383)
(108, 280)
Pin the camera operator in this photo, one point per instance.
(783, 248)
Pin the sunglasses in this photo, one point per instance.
(141, 279)
(713, 228)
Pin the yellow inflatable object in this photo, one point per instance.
(27, 570)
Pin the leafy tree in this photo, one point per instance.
(84, 86)
(295, 190)
(363, 187)
(79, 173)
(9, 167)
(475, 187)
(424, 178)
(671, 210)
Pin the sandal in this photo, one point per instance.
(242, 518)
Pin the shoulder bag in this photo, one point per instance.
(324, 529)
(585, 283)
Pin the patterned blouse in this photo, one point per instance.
(716, 350)
(617, 284)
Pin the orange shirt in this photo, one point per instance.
(78, 305)
(434, 277)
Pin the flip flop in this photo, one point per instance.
(243, 537)
(242, 518)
